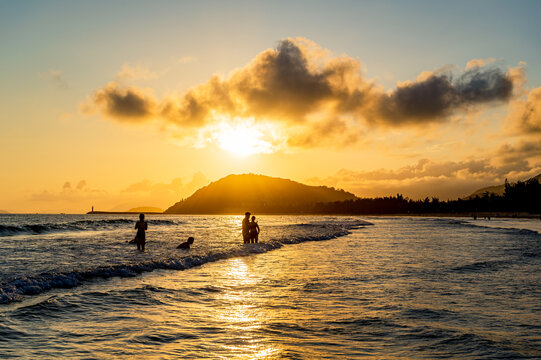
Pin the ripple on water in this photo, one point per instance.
(11, 333)
(163, 337)
(482, 266)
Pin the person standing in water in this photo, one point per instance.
(246, 228)
(141, 227)
(254, 231)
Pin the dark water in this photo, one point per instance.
(402, 288)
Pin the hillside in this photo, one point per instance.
(496, 190)
(236, 194)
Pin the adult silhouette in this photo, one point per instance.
(254, 231)
(246, 228)
(141, 227)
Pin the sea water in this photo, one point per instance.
(314, 287)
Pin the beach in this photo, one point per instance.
(400, 288)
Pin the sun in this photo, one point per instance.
(243, 138)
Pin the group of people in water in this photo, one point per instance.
(250, 232)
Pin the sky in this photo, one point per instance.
(120, 104)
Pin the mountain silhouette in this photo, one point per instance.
(496, 189)
(236, 194)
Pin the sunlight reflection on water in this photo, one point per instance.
(242, 315)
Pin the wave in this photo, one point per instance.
(350, 223)
(466, 223)
(481, 266)
(16, 289)
(80, 225)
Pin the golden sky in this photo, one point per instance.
(114, 107)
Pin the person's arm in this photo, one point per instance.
(136, 223)
(257, 227)
(146, 225)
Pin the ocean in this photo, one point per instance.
(333, 287)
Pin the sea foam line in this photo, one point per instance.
(81, 225)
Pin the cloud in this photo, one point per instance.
(316, 96)
(68, 193)
(135, 73)
(448, 180)
(149, 186)
(477, 63)
(525, 115)
(442, 93)
(55, 77)
(81, 197)
(81, 185)
(172, 191)
(128, 104)
(332, 132)
(523, 155)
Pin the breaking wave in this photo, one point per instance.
(80, 225)
(15, 289)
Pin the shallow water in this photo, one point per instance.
(43, 252)
(402, 288)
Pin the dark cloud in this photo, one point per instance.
(277, 85)
(523, 155)
(295, 81)
(124, 104)
(280, 84)
(300, 85)
(437, 96)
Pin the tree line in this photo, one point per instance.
(522, 196)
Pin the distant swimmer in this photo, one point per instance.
(246, 228)
(140, 237)
(254, 231)
(186, 244)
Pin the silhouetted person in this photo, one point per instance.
(186, 244)
(246, 228)
(140, 237)
(254, 231)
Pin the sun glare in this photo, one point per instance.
(242, 139)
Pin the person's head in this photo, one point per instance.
(247, 215)
(141, 217)
(190, 240)
(253, 218)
